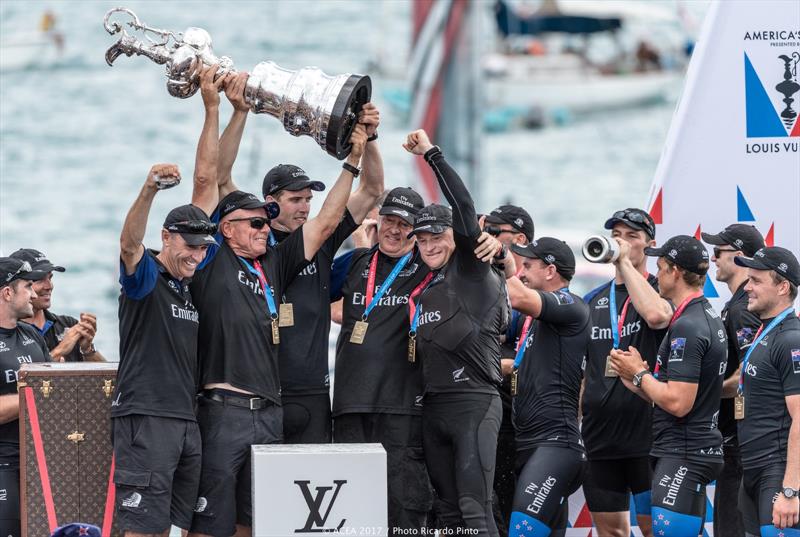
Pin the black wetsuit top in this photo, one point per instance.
(465, 309)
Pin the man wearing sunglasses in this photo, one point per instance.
(741, 326)
(156, 438)
(20, 343)
(67, 338)
(239, 292)
(616, 427)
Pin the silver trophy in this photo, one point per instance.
(307, 102)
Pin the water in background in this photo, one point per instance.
(77, 139)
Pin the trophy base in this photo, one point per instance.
(356, 92)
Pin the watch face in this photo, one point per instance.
(789, 492)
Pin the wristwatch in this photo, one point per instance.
(91, 350)
(637, 378)
(352, 169)
(789, 492)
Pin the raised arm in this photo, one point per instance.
(204, 193)
(370, 185)
(655, 311)
(130, 240)
(317, 230)
(232, 135)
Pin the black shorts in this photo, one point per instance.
(9, 500)
(157, 472)
(228, 431)
(679, 495)
(306, 418)
(760, 487)
(610, 483)
(546, 476)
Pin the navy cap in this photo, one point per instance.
(403, 202)
(37, 259)
(634, 219)
(551, 251)
(288, 177)
(685, 251)
(743, 237)
(434, 218)
(774, 258)
(517, 217)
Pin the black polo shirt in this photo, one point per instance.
(550, 374)
(773, 373)
(376, 376)
(303, 352)
(694, 350)
(617, 423)
(235, 343)
(54, 329)
(157, 374)
(20, 345)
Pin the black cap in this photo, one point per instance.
(288, 177)
(743, 237)
(635, 219)
(685, 251)
(517, 217)
(434, 218)
(239, 200)
(192, 223)
(37, 259)
(16, 269)
(551, 251)
(403, 202)
(774, 258)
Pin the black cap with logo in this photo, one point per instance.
(288, 177)
(516, 217)
(16, 269)
(774, 258)
(192, 223)
(37, 259)
(434, 219)
(686, 252)
(743, 237)
(403, 202)
(634, 219)
(551, 251)
(243, 200)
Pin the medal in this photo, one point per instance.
(514, 382)
(738, 407)
(286, 315)
(276, 335)
(609, 369)
(412, 349)
(359, 331)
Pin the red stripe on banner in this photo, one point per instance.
(697, 233)
(111, 496)
(41, 461)
(769, 240)
(796, 130)
(584, 519)
(655, 211)
(420, 11)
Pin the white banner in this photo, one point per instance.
(733, 150)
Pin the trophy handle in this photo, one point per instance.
(356, 92)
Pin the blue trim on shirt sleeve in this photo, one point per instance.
(142, 282)
(341, 266)
(511, 332)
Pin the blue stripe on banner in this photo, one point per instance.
(668, 523)
(772, 531)
(523, 525)
(642, 502)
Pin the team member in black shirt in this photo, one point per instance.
(768, 399)
(616, 424)
(685, 387)
(740, 327)
(20, 344)
(546, 382)
(65, 343)
(237, 292)
(455, 332)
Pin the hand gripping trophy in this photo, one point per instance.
(307, 102)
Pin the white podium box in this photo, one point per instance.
(308, 489)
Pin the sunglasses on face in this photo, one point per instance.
(194, 226)
(496, 231)
(23, 269)
(718, 250)
(256, 222)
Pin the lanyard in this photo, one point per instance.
(412, 308)
(523, 336)
(616, 322)
(761, 334)
(259, 272)
(372, 299)
(675, 316)
(271, 239)
(417, 310)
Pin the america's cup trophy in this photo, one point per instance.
(307, 102)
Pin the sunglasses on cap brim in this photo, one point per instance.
(197, 227)
(25, 268)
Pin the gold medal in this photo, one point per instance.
(276, 335)
(286, 315)
(514, 382)
(609, 369)
(359, 331)
(412, 349)
(738, 407)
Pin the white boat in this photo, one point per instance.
(33, 49)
